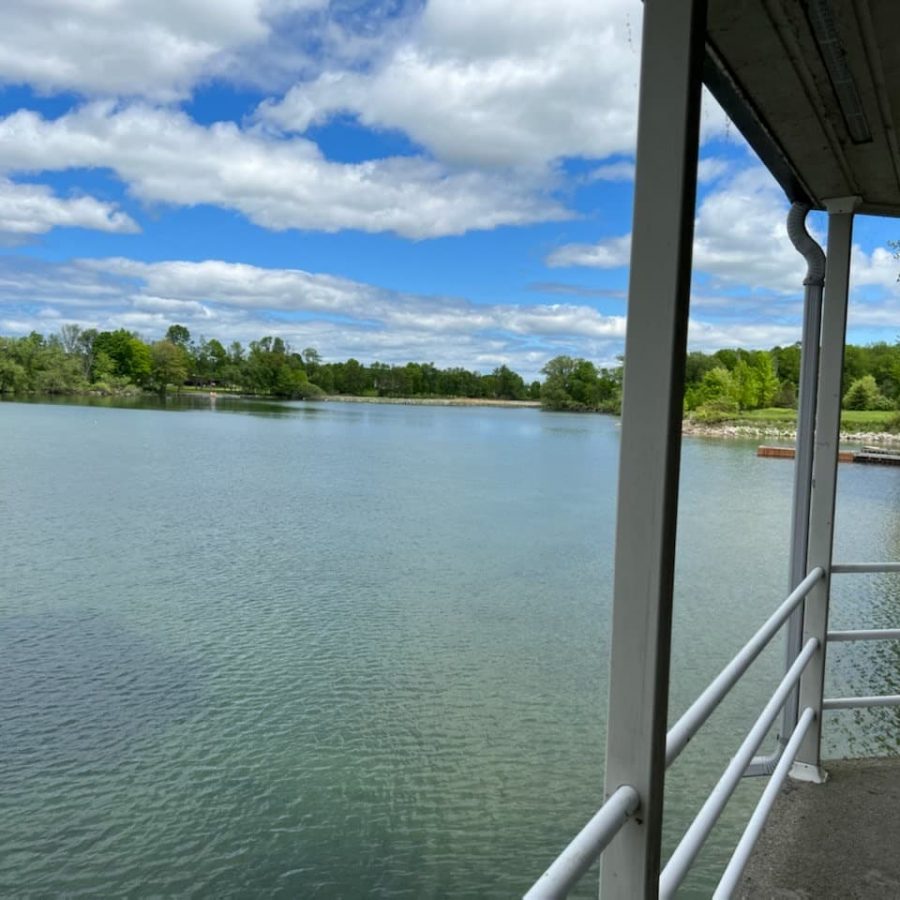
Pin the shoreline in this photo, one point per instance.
(755, 432)
(433, 401)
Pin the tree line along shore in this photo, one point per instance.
(753, 389)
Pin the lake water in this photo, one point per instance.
(343, 650)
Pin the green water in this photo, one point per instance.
(349, 650)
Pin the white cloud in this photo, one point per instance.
(214, 283)
(740, 238)
(711, 168)
(164, 156)
(711, 336)
(129, 47)
(340, 316)
(498, 83)
(30, 209)
(494, 82)
(343, 317)
(623, 170)
(607, 254)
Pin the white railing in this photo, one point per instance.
(698, 831)
(703, 707)
(585, 849)
(863, 634)
(741, 856)
(589, 844)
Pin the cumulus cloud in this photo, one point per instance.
(340, 316)
(218, 283)
(31, 209)
(343, 317)
(621, 170)
(712, 336)
(740, 238)
(130, 47)
(163, 156)
(503, 83)
(608, 254)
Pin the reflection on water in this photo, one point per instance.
(193, 401)
(345, 650)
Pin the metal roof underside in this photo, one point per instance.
(814, 87)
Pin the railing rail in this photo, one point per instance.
(703, 707)
(585, 849)
(741, 856)
(694, 838)
(876, 634)
(863, 634)
(588, 845)
(864, 568)
(861, 702)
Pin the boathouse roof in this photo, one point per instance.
(815, 88)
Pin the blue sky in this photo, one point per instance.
(444, 181)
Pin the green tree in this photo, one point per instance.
(13, 377)
(864, 394)
(179, 335)
(130, 355)
(170, 365)
(575, 384)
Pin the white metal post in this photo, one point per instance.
(828, 425)
(658, 302)
(805, 445)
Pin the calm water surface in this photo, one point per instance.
(355, 650)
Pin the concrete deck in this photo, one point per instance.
(840, 839)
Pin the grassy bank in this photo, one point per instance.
(857, 426)
(852, 420)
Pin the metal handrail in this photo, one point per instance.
(694, 838)
(587, 846)
(739, 859)
(703, 707)
(585, 849)
(865, 634)
(847, 568)
(860, 702)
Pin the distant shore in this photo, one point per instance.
(434, 401)
(774, 433)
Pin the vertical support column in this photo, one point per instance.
(658, 302)
(806, 426)
(828, 425)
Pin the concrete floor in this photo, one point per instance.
(837, 840)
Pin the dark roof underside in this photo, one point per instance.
(814, 87)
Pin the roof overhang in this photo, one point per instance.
(814, 87)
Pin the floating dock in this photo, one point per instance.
(869, 455)
(877, 456)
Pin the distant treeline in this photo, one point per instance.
(722, 384)
(719, 385)
(80, 360)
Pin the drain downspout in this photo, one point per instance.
(806, 421)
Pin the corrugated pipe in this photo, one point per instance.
(806, 246)
(806, 417)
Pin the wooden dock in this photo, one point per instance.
(868, 455)
(776, 452)
(877, 456)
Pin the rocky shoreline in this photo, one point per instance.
(774, 433)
